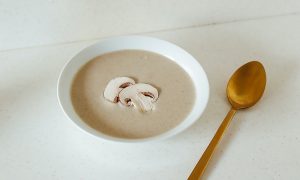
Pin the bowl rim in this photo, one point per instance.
(167, 134)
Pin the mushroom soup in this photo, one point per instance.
(174, 91)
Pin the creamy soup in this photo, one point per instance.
(176, 94)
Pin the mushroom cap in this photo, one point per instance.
(114, 87)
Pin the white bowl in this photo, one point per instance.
(173, 52)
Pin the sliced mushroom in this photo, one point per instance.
(145, 102)
(141, 95)
(114, 87)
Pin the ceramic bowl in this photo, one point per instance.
(167, 49)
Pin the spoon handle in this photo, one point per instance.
(202, 163)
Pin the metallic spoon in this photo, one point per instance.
(244, 89)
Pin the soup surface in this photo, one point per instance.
(176, 94)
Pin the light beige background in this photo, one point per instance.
(41, 22)
(38, 142)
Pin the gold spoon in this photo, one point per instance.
(244, 89)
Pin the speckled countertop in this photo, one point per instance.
(38, 142)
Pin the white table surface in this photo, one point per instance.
(35, 22)
(38, 142)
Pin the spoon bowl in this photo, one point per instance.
(246, 85)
